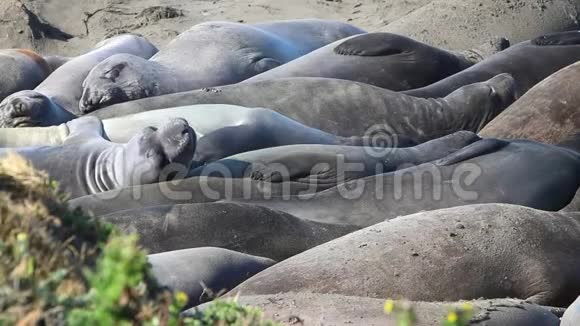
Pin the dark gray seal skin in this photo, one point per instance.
(487, 171)
(21, 69)
(325, 166)
(336, 309)
(195, 270)
(87, 163)
(248, 229)
(572, 315)
(463, 253)
(348, 108)
(528, 62)
(56, 99)
(548, 112)
(385, 60)
(209, 54)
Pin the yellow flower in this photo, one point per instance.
(181, 298)
(389, 306)
(22, 237)
(452, 317)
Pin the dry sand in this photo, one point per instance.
(70, 27)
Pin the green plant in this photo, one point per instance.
(58, 265)
(404, 315)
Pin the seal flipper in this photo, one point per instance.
(83, 128)
(371, 45)
(481, 147)
(564, 38)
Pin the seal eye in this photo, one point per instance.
(264, 64)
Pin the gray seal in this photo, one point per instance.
(56, 99)
(201, 272)
(385, 60)
(244, 228)
(86, 163)
(528, 62)
(335, 309)
(462, 253)
(208, 54)
(487, 171)
(348, 108)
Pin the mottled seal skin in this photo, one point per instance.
(548, 112)
(86, 163)
(336, 309)
(463, 253)
(21, 69)
(248, 229)
(487, 171)
(209, 54)
(325, 166)
(572, 315)
(528, 62)
(195, 270)
(385, 60)
(348, 108)
(56, 99)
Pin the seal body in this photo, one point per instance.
(335, 309)
(348, 108)
(487, 171)
(249, 229)
(208, 54)
(484, 248)
(385, 60)
(21, 69)
(572, 315)
(199, 272)
(548, 112)
(529, 62)
(86, 163)
(56, 99)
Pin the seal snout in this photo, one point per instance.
(178, 141)
(21, 109)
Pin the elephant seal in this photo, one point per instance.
(201, 272)
(336, 309)
(249, 229)
(86, 163)
(222, 130)
(461, 253)
(548, 112)
(528, 62)
(572, 315)
(55, 61)
(487, 171)
(385, 60)
(56, 99)
(439, 21)
(325, 166)
(348, 108)
(209, 54)
(21, 69)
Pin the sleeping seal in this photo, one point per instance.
(528, 62)
(385, 60)
(21, 69)
(56, 99)
(463, 253)
(209, 54)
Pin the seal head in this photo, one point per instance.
(31, 109)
